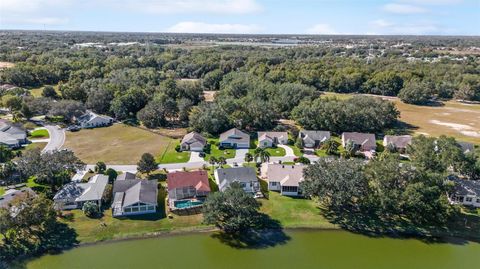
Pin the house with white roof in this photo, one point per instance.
(313, 139)
(73, 195)
(246, 176)
(283, 178)
(134, 197)
(11, 135)
(193, 141)
(465, 192)
(235, 139)
(92, 120)
(272, 139)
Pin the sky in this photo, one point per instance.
(372, 17)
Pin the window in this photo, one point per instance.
(478, 200)
(273, 183)
(134, 209)
(143, 208)
(469, 199)
(150, 208)
(128, 210)
(289, 189)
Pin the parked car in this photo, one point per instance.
(73, 128)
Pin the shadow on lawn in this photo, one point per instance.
(459, 231)
(267, 233)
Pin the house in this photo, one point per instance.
(11, 135)
(126, 176)
(134, 197)
(92, 120)
(399, 142)
(187, 189)
(193, 142)
(466, 147)
(73, 195)
(313, 139)
(12, 194)
(272, 139)
(246, 176)
(235, 138)
(283, 178)
(363, 141)
(466, 192)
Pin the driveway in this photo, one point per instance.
(288, 150)
(57, 138)
(195, 157)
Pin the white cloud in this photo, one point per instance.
(201, 27)
(190, 6)
(403, 9)
(433, 2)
(381, 23)
(321, 29)
(30, 6)
(419, 28)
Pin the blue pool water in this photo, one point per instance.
(187, 203)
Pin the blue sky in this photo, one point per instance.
(418, 17)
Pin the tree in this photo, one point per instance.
(49, 92)
(299, 142)
(221, 161)
(6, 154)
(248, 157)
(212, 79)
(303, 160)
(100, 167)
(90, 209)
(261, 155)
(350, 149)
(414, 92)
(112, 174)
(330, 146)
(209, 118)
(232, 211)
(12, 102)
(339, 182)
(147, 164)
(53, 168)
(68, 109)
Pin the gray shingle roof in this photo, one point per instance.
(133, 191)
(90, 191)
(226, 176)
(194, 137)
(399, 141)
(466, 187)
(239, 136)
(314, 135)
(12, 194)
(363, 139)
(126, 175)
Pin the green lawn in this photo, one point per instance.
(321, 153)
(2, 190)
(274, 152)
(170, 155)
(41, 133)
(216, 152)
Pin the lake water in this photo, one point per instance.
(303, 249)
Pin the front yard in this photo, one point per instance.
(170, 155)
(117, 144)
(274, 152)
(39, 134)
(217, 153)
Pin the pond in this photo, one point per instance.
(296, 249)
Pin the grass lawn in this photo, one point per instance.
(216, 152)
(37, 92)
(274, 152)
(41, 133)
(117, 144)
(2, 190)
(39, 145)
(321, 153)
(170, 155)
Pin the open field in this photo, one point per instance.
(451, 118)
(6, 65)
(117, 144)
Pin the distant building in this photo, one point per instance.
(10, 195)
(187, 189)
(246, 176)
(73, 195)
(363, 141)
(313, 139)
(272, 139)
(283, 178)
(399, 142)
(235, 138)
(466, 147)
(193, 142)
(134, 197)
(92, 120)
(12, 135)
(466, 192)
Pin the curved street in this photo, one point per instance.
(57, 138)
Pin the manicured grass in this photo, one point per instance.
(37, 92)
(321, 153)
(274, 152)
(216, 152)
(40, 133)
(296, 150)
(117, 144)
(39, 145)
(170, 155)
(2, 190)
(294, 212)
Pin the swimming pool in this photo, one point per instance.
(187, 203)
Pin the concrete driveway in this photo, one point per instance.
(288, 150)
(195, 157)
(57, 138)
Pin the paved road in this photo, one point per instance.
(57, 138)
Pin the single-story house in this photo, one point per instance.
(12, 135)
(466, 147)
(92, 120)
(12, 194)
(187, 189)
(283, 178)
(193, 142)
(399, 142)
(134, 197)
(246, 176)
(126, 176)
(466, 192)
(235, 138)
(313, 139)
(364, 141)
(73, 195)
(272, 139)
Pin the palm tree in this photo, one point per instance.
(213, 161)
(330, 146)
(350, 149)
(262, 155)
(222, 161)
(248, 157)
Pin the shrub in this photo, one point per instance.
(177, 148)
(90, 209)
